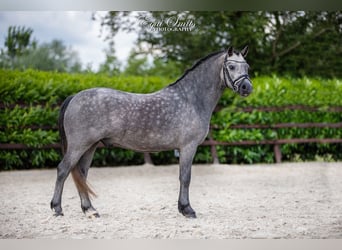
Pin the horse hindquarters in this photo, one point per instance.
(65, 166)
(77, 158)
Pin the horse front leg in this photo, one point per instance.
(185, 163)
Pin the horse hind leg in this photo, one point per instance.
(63, 170)
(79, 174)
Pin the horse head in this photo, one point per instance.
(235, 71)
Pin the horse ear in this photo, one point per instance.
(230, 51)
(244, 51)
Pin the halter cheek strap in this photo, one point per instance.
(233, 84)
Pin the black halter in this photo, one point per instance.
(234, 84)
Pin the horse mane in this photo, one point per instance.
(197, 63)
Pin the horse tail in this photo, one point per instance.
(64, 143)
(80, 182)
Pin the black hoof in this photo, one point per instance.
(186, 210)
(58, 210)
(58, 214)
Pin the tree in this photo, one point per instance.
(137, 65)
(18, 40)
(140, 65)
(307, 43)
(53, 56)
(213, 31)
(111, 65)
(165, 68)
(17, 43)
(22, 52)
(284, 42)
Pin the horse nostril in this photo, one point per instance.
(245, 88)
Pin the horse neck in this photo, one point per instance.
(202, 86)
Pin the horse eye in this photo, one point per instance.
(231, 67)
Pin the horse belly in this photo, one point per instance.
(147, 129)
(153, 132)
(145, 141)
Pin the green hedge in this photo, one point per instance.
(30, 103)
(323, 94)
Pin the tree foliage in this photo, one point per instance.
(294, 43)
(22, 52)
(111, 65)
(18, 40)
(140, 65)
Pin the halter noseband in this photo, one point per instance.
(234, 84)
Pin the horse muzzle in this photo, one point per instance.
(245, 87)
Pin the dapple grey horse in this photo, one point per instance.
(175, 117)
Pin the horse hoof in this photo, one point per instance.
(191, 215)
(56, 208)
(187, 211)
(58, 214)
(91, 214)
